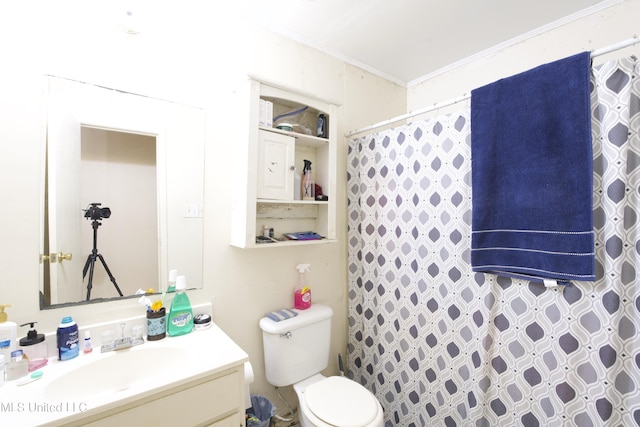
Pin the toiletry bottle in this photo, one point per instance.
(34, 347)
(297, 184)
(322, 126)
(173, 274)
(2, 369)
(18, 367)
(180, 319)
(308, 186)
(88, 347)
(8, 334)
(302, 293)
(67, 337)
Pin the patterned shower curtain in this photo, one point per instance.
(440, 345)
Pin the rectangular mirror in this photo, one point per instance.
(123, 194)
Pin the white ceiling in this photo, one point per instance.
(405, 40)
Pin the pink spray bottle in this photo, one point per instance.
(302, 293)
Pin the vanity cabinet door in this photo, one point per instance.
(214, 402)
(276, 158)
(227, 422)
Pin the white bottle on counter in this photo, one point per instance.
(8, 334)
(2, 363)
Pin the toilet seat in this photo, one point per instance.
(341, 402)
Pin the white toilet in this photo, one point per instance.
(296, 350)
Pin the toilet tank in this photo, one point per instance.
(296, 348)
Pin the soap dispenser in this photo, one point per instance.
(8, 334)
(34, 347)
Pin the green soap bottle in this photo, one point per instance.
(180, 319)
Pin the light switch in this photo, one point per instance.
(191, 210)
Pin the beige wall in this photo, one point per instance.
(595, 31)
(190, 57)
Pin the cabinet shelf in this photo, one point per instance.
(289, 243)
(293, 202)
(301, 138)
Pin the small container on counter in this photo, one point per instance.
(202, 322)
(156, 325)
(88, 346)
(18, 367)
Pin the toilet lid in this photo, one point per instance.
(341, 402)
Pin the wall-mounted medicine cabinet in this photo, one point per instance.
(281, 132)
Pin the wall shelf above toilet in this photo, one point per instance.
(268, 159)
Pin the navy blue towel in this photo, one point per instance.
(532, 174)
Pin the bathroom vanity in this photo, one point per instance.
(195, 379)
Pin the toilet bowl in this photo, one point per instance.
(336, 401)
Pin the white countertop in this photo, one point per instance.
(37, 403)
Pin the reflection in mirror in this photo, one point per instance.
(118, 170)
(119, 240)
(122, 195)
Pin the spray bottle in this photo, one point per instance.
(308, 185)
(302, 293)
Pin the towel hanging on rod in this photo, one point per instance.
(532, 174)
(595, 53)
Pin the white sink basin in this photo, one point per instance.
(116, 372)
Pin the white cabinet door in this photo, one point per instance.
(276, 158)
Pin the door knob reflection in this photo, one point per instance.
(48, 258)
(63, 257)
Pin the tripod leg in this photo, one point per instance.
(113, 279)
(91, 261)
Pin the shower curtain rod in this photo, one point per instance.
(598, 52)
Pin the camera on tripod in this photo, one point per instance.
(95, 213)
